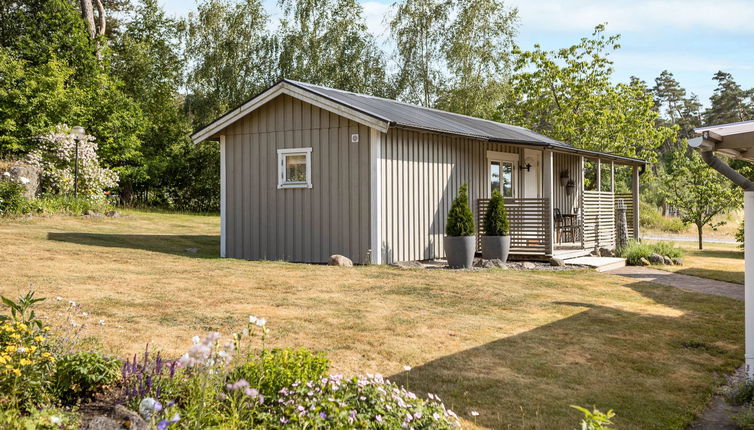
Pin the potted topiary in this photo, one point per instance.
(460, 243)
(496, 242)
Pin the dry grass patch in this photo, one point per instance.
(720, 261)
(519, 347)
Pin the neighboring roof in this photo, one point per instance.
(392, 113)
(734, 139)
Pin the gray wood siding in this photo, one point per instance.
(421, 174)
(297, 224)
(570, 163)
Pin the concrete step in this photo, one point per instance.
(600, 264)
(565, 254)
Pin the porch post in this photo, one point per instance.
(635, 199)
(599, 175)
(581, 199)
(612, 177)
(749, 282)
(547, 193)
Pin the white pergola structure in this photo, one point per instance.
(736, 140)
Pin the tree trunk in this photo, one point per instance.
(101, 16)
(87, 12)
(699, 231)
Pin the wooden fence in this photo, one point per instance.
(529, 220)
(628, 201)
(598, 217)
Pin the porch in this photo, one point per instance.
(574, 211)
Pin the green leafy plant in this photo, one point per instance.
(651, 218)
(740, 235)
(81, 375)
(635, 251)
(11, 198)
(594, 419)
(745, 418)
(496, 218)
(39, 419)
(275, 369)
(460, 217)
(26, 366)
(741, 393)
(21, 311)
(667, 249)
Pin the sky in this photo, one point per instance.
(693, 39)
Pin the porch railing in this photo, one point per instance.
(529, 220)
(598, 218)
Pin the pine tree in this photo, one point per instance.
(496, 218)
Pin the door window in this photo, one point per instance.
(501, 177)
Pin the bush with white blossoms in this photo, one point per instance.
(55, 158)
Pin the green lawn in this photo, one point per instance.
(518, 347)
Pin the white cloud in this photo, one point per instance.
(655, 16)
(374, 14)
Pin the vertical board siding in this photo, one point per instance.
(298, 224)
(421, 175)
(561, 200)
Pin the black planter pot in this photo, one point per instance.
(460, 251)
(496, 247)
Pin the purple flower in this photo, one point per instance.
(163, 425)
(323, 415)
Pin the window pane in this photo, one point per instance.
(494, 176)
(507, 176)
(295, 168)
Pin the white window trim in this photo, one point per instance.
(282, 153)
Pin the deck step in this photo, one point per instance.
(600, 264)
(565, 254)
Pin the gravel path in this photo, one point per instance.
(717, 415)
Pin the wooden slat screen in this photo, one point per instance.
(628, 201)
(529, 220)
(598, 217)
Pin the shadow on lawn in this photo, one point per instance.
(717, 253)
(207, 246)
(655, 371)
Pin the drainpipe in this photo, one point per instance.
(748, 187)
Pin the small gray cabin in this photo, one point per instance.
(309, 171)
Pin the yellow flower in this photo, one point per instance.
(10, 348)
(22, 326)
(17, 372)
(39, 339)
(46, 328)
(24, 362)
(32, 348)
(15, 336)
(9, 367)
(3, 360)
(9, 328)
(45, 354)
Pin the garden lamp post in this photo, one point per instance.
(77, 132)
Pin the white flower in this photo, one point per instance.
(6, 174)
(252, 319)
(101, 322)
(84, 314)
(58, 298)
(406, 368)
(55, 419)
(195, 339)
(474, 413)
(21, 349)
(261, 322)
(245, 332)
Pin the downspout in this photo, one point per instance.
(727, 171)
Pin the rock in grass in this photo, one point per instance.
(499, 263)
(112, 214)
(529, 265)
(408, 265)
(340, 260)
(192, 250)
(667, 260)
(655, 258)
(643, 262)
(678, 261)
(90, 212)
(558, 262)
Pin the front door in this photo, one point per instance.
(502, 173)
(532, 176)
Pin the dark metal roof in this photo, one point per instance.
(406, 115)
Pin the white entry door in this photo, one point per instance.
(532, 176)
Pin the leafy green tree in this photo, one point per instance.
(460, 217)
(568, 94)
(231, 56)
(698, 191)
(477, 53)
(496, 218)
(326, 42)
(729, 102)
(418, 29)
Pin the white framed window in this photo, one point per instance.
(295, 168)
(502, 172)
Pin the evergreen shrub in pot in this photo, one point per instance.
(460, 242)
(496, 242)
